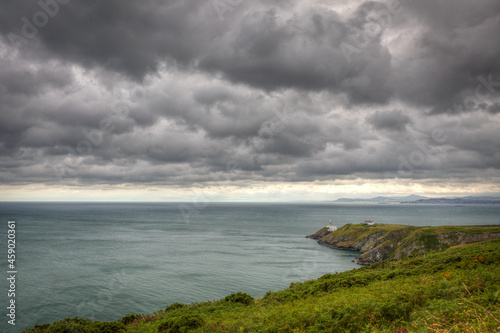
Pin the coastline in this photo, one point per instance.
(394, 296)
(379, 242)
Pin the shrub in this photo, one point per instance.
(239, 297)
(175, 306)
(181, 324)
(130, 318)
(79, 325)
(109, 327)
(37, 328)
(282, 297)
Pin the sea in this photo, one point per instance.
(105, 260)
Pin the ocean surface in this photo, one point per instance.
(104, 260)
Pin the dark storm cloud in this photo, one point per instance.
(453, 47)
(253, 45)
(172, 92)
(130, 37)
(390, 120)
(303, 51)
(260, 46)
(494, 108)
(18, 80)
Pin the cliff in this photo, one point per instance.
(384, 241)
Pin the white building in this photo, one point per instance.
(331, 227)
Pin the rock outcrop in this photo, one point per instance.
(383, 241)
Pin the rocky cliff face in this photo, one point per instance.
(384, 241)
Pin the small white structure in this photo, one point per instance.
(369, 222)
(331, 227)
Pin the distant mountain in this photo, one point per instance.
(412, 197)
(418, 199)
(469, 200)
(480, 198)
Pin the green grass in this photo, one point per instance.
(398, 241)
(457, 290)
(360, 231)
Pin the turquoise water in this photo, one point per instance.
(104, 260)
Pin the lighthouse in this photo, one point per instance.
(331, 227)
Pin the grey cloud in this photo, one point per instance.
(264, 95)
(453, 46)
(254, 46)
(494, 108)
(303, 52)
(390, 120)
(28, 81)
(130, 37)
(270, 46)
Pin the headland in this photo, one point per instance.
(379, 242)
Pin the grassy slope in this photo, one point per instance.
(453, 291)
(399, 240)
(361, 231)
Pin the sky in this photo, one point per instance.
(231, 100)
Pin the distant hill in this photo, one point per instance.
(418, 199)
(469, 200)
(391, 241)
(412, 197)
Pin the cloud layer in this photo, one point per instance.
(210, 93)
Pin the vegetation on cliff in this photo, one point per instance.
(384, 241)
(457, 290)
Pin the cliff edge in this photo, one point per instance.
(384, 241)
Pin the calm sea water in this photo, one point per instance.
(104, 260)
